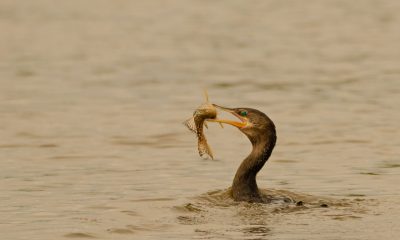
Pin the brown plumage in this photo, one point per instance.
(262, 134)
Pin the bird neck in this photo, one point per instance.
(244, 187)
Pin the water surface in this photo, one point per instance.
(93, 94)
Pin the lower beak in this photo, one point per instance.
(230, 122)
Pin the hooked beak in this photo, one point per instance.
(241, 124)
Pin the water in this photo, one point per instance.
(93, 94)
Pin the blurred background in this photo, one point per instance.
(93, 94)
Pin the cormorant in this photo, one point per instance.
(261, 132)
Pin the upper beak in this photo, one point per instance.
(243, 120)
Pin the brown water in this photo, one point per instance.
(93, 94)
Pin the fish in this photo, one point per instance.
(195, 124)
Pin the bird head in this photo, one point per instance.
(252, 122)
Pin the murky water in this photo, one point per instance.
(93, 94)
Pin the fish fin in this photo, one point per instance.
(204, 149)
(222, 126)
(190, 124)
(206, 95)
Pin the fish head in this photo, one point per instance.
(205, 111)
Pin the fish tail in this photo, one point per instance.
(204, 148)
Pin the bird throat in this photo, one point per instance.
(244, 187)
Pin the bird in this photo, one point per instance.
(261, 132)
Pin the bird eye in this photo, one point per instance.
(243, 113)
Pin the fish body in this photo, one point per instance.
(196, 125)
